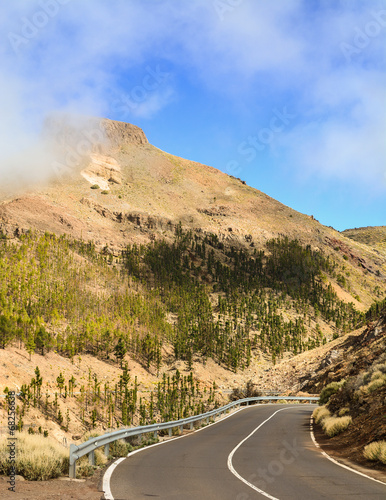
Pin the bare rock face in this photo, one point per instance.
(74, 138)
(120, 134)
(102, 170)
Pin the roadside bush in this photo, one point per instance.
(85, 469)
(335, 425)
(329, 390)
(320, 414)
(38, 458)
(376, 451)
(248, 391)
(120, 448)
(83, 466)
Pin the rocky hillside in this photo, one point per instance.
(345, 357)
(354, 387)
(374, 237)
(109, 185)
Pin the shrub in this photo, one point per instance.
(120, 448)
(320, 414)
(376, 375)
(329, 390)
(335, 425)
(376, 451)
(85, 469)
(376, 384)
(343, 411)
(83, 466)
(95, 186)
(248, 391)
(38, 458)
(104, 191)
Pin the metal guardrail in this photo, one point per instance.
(89, 447)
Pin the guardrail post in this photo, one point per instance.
(72, 470)
(91, 458)
(170, 432)
(155, 435)
(107, 449)
(191, 426)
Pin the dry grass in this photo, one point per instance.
(37, 458)
(377, 380)
(320, 414)
(376, 451)
(335, 425)
(376, 384)
(373, 236)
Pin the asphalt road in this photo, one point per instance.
(278, 461)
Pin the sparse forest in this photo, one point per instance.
(195, 295)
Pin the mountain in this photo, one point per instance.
(137, 286)
(373, 236)
(112, 187)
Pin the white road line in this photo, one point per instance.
(233, 470)
(107, 475)
(106, 479)
(335, 461)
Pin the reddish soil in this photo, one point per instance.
(63, 489)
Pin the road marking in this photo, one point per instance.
(335, 461)
(107, 475)
(106, 479)
(234, 471)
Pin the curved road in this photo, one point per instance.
(278, 460)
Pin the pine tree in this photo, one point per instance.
(120, 350)
(60, 382)
(6, 331)
(30, 345)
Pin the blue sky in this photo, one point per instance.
(288, 95)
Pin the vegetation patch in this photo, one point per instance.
(38, 458)
(329, 390)
(320, 414)
(335, 425)
(376, 451)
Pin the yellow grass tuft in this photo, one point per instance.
(320, 414)
(37, 458)
(335, 425)
(376, 451)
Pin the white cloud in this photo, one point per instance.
(93, 55)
